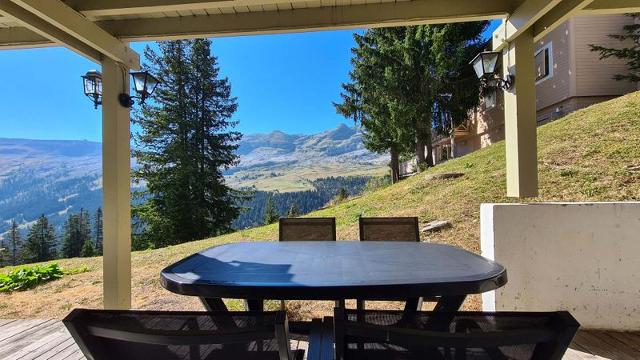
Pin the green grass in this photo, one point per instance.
(299, 178)
(584, 156)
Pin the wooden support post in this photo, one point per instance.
(520, 118)
(116, 158)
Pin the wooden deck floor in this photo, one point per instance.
(48, 339)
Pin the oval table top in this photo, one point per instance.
(329, 270)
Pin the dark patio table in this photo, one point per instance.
(333, 270)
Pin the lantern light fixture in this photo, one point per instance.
(143, 83)
(484, 65)
(92, 82)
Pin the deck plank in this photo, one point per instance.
(50, 340)
(16, 327)
(57, 335)
(35, 334)
(50, 353)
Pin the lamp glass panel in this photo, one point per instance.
(98, 86)
(139, 79)
(489, 61)
(477, 66)
(89, 85)
(152, 82)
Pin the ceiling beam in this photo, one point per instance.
(65, 19)
(21, 38)
(41, 28)
(309, 19)
(99, 8)
(522, 18)
(557, 16)
(600, 7)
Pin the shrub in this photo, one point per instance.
(28, 277)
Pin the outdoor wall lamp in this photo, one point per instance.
(485, 66)
(143, 82)
(92, 81)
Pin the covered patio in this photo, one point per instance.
(101, 31)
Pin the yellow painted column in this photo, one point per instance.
(520, 118)
(116, 182)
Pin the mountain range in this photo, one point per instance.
(54, 177)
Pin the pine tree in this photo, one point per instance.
(630, 53)
(4, 253)
(342, 195)
(14, 244)
(184, 145)
(77, 232)
(99, 235)
(397, 80)
(87, 250)
(294, 211)
(270, 213)
(40, 243)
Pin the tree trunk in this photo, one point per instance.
(429, 154)
(453, 138)
(395, 166)
(421, 159)
(423, 140)
(453, 147)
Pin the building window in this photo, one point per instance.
(544, 63)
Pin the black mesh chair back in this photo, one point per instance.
(467, 335)
(389, 229)
(307, 229)
(158, 335)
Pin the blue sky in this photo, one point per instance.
(283, 82)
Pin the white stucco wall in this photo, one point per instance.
(580, 257)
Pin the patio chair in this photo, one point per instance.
(159, 335)
(470, 335)
(307, 229)
(389, 229)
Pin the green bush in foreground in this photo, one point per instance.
(28, 277)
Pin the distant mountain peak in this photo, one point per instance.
(342, 132)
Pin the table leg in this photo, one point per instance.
(213, 304)
(445, 311)
(254, 304)
(411, 305)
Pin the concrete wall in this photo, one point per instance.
(581, 257)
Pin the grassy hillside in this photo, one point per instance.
(588, 155)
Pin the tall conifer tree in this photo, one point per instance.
(14, 244)
(99, 235)
(4, 253)
(270, 212)
(40, 243)
(398, 77)
(185, 143)
(77, 231)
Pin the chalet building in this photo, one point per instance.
(569, 77)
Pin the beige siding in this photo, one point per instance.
(557, 87)
(594, 76)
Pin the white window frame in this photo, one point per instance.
(548, 46)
